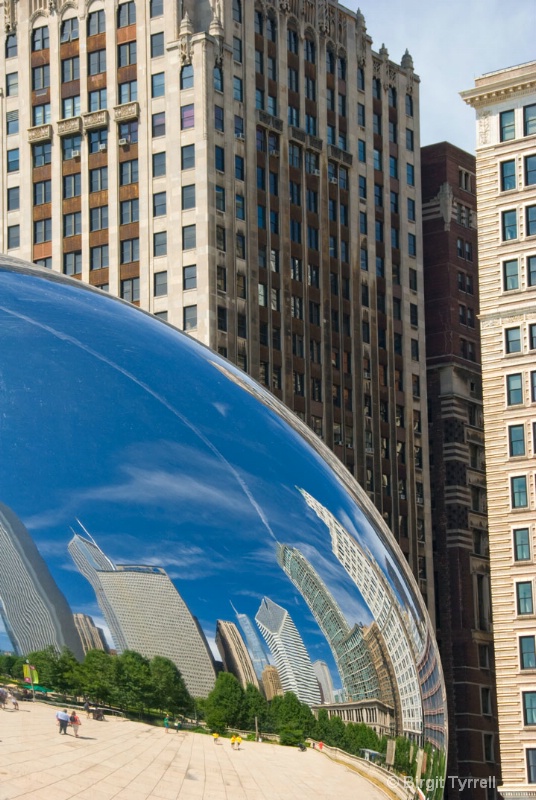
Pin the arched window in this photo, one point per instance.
(330, 61)
(310, 51)
(341, 68)
(237, 11)
(391, 96)
(259, 23)
(218, 79)
(40, 40)
(271, 29)
(187, 76)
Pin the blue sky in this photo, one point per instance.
(452, 43)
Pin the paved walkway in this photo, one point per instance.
(126, 760)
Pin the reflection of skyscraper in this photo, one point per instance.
(147, 614)
(90, 559)
(292, 659)
(34, 611)
(353, 660)
(92, 638)
(384, 670)
(379, 597)
(234, 653)
(324, 679)
(271, 683)
(254, 644)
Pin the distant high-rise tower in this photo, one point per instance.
(323, 675)
(286, 645)
(355, 666)
(92, 637)
(34, 611)
(258, 655)
(148, 614)
(234, 653)
(271, 683)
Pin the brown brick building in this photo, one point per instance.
(457, 464)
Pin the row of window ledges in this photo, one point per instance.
(70, 28)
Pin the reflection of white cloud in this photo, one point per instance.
(222, 408)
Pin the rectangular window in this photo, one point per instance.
(130, 289)
(516, 440)
(12, 84)
(41, 154)
(511, 275)
(410, 174)
(40, 39)
(130, 251)
(514, 389)
(127, 54)
(219, 158)
(188, 237)
(518, 491)
(43, 192)
(158, 84)
(530, 170)
(521, 544)
(512, 338)
(43, 230)
(529, 120)
(509, 225)
(189, 277)
(13, 198)
(160, 243)
(412, 244)
(527, 654)
(157, 45)
(70, 69)
(97, 100)
(128, 172)
(96, 62)
(96, 23)
(187, 156)
(160, 284)
(524, 597)
(187, 116)
(189, 318)
(98, 218)
(529, 708)
(158, 125)
(508, 175)
(13, 237)
(72, 224)
(70, 107)
(530, 229)
(72, 263)
(99, 257)
(159, 204)
(507, 125)
(12, 122)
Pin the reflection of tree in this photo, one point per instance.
(356, 669)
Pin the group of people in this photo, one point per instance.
(168, 722)
(64, 719)
(6, 697)
(97, 712)
(236, 741)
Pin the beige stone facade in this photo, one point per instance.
(249, 172)
(505, 103)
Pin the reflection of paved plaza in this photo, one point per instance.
(120, 759)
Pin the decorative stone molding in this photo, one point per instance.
(10, 16)
(445, 197)
(71, 125)
(185, 40)
(41, 133)
(126, 112)
(95, 119)
(484, 127)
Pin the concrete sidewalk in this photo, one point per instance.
(132, 761)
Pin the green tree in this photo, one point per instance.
(132, 681)
(46, 663)
(254, 705)
(224, 705)
(68, 672)
(7, 664)
(288, 712)
(168, 688)
(322, 728)
(337, 733)
(97, 676)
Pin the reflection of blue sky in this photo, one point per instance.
(136, 431)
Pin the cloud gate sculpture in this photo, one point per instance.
(168, 493)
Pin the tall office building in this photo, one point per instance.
(91, 636)
(234, 653)
(352, 657)
(325, 681)
(276, 155)
(458, 478)
(148, 614)
(271, 683)
(291, 658)
(505, 103)
(34, 611)
(259, 659)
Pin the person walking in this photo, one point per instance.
(15, 702)
(233, 741)
(87, 709)
(75, 722)
(215, 736)
(238, 742)
(166, 724)
(63, 720)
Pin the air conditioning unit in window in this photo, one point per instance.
(75, 153)
(334, 181)
(316, 172)
(274, 153)
(240, 136)
(122, 142)
(102, 147)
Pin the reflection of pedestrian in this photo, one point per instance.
(166, 724)
(320, 745)
(233, 741)
(63, 720)
(87, 708)
(75, 722)
(215, 736)
(238, 742)
(15, 703)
